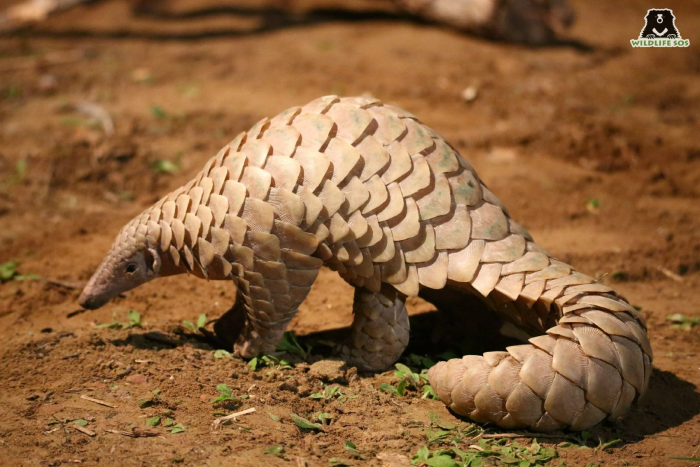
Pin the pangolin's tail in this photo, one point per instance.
(592, 363)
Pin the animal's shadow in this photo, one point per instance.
(669, 401)
(270, 19)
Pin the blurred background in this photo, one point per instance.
(106, 106)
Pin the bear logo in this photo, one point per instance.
(660, 24)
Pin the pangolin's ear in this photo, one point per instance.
(152, 260)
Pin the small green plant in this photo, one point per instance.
(351, 448)
(153, 421)
(410, 379)
(305, 424)
(225, 394)
(270, 361)
(329, 392)
(9, 272)
(150, 401)
(398, 390)
(178, 428)
(593, 205)
(201, 322)
(20, 170)
(290, 344)
(476, 454)
(166, 166)
(429, 393)
(679, 321)
(323, 417)
(275, 450)
(159, 112)
(274, 417)
(80, 421)
(134, 321)
(221, 353)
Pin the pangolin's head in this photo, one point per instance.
(130, 263)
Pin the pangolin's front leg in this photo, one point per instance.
(379, 329)
(271, 298)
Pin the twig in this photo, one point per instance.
(84, 430)
(217, 423)
(136, 433)
(670, 274)
(98, 113)
(301, 462)
(98, 401)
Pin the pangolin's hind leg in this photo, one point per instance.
(379, 330)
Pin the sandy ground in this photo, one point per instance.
(593, 146)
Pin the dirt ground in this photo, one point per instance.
(592, 145)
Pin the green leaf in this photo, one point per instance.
(304, 424)
(429, 392)
(169, 422)
(134, 319)
(403, 369)
(158, 112)
(290, 344)
(253, 363)
(421, 455)
(441, 461)
(7, 271)
(351, 448)
(21, 169)
(221, 353)
(189, 325)
(274, 417)
(80, 422)
(322, 417)
(276, 450)
(401, 388)
(179, 428)
(609, 444)
(202, 320)
(165, 166)
(389, 388)
(153, 421)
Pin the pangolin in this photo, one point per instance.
(369, 191)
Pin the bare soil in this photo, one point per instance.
(592, 145)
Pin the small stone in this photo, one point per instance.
(137, 379)
(331, 371)
(469, 94)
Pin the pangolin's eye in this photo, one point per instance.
(130, 269)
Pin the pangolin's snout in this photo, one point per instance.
(91, 302)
